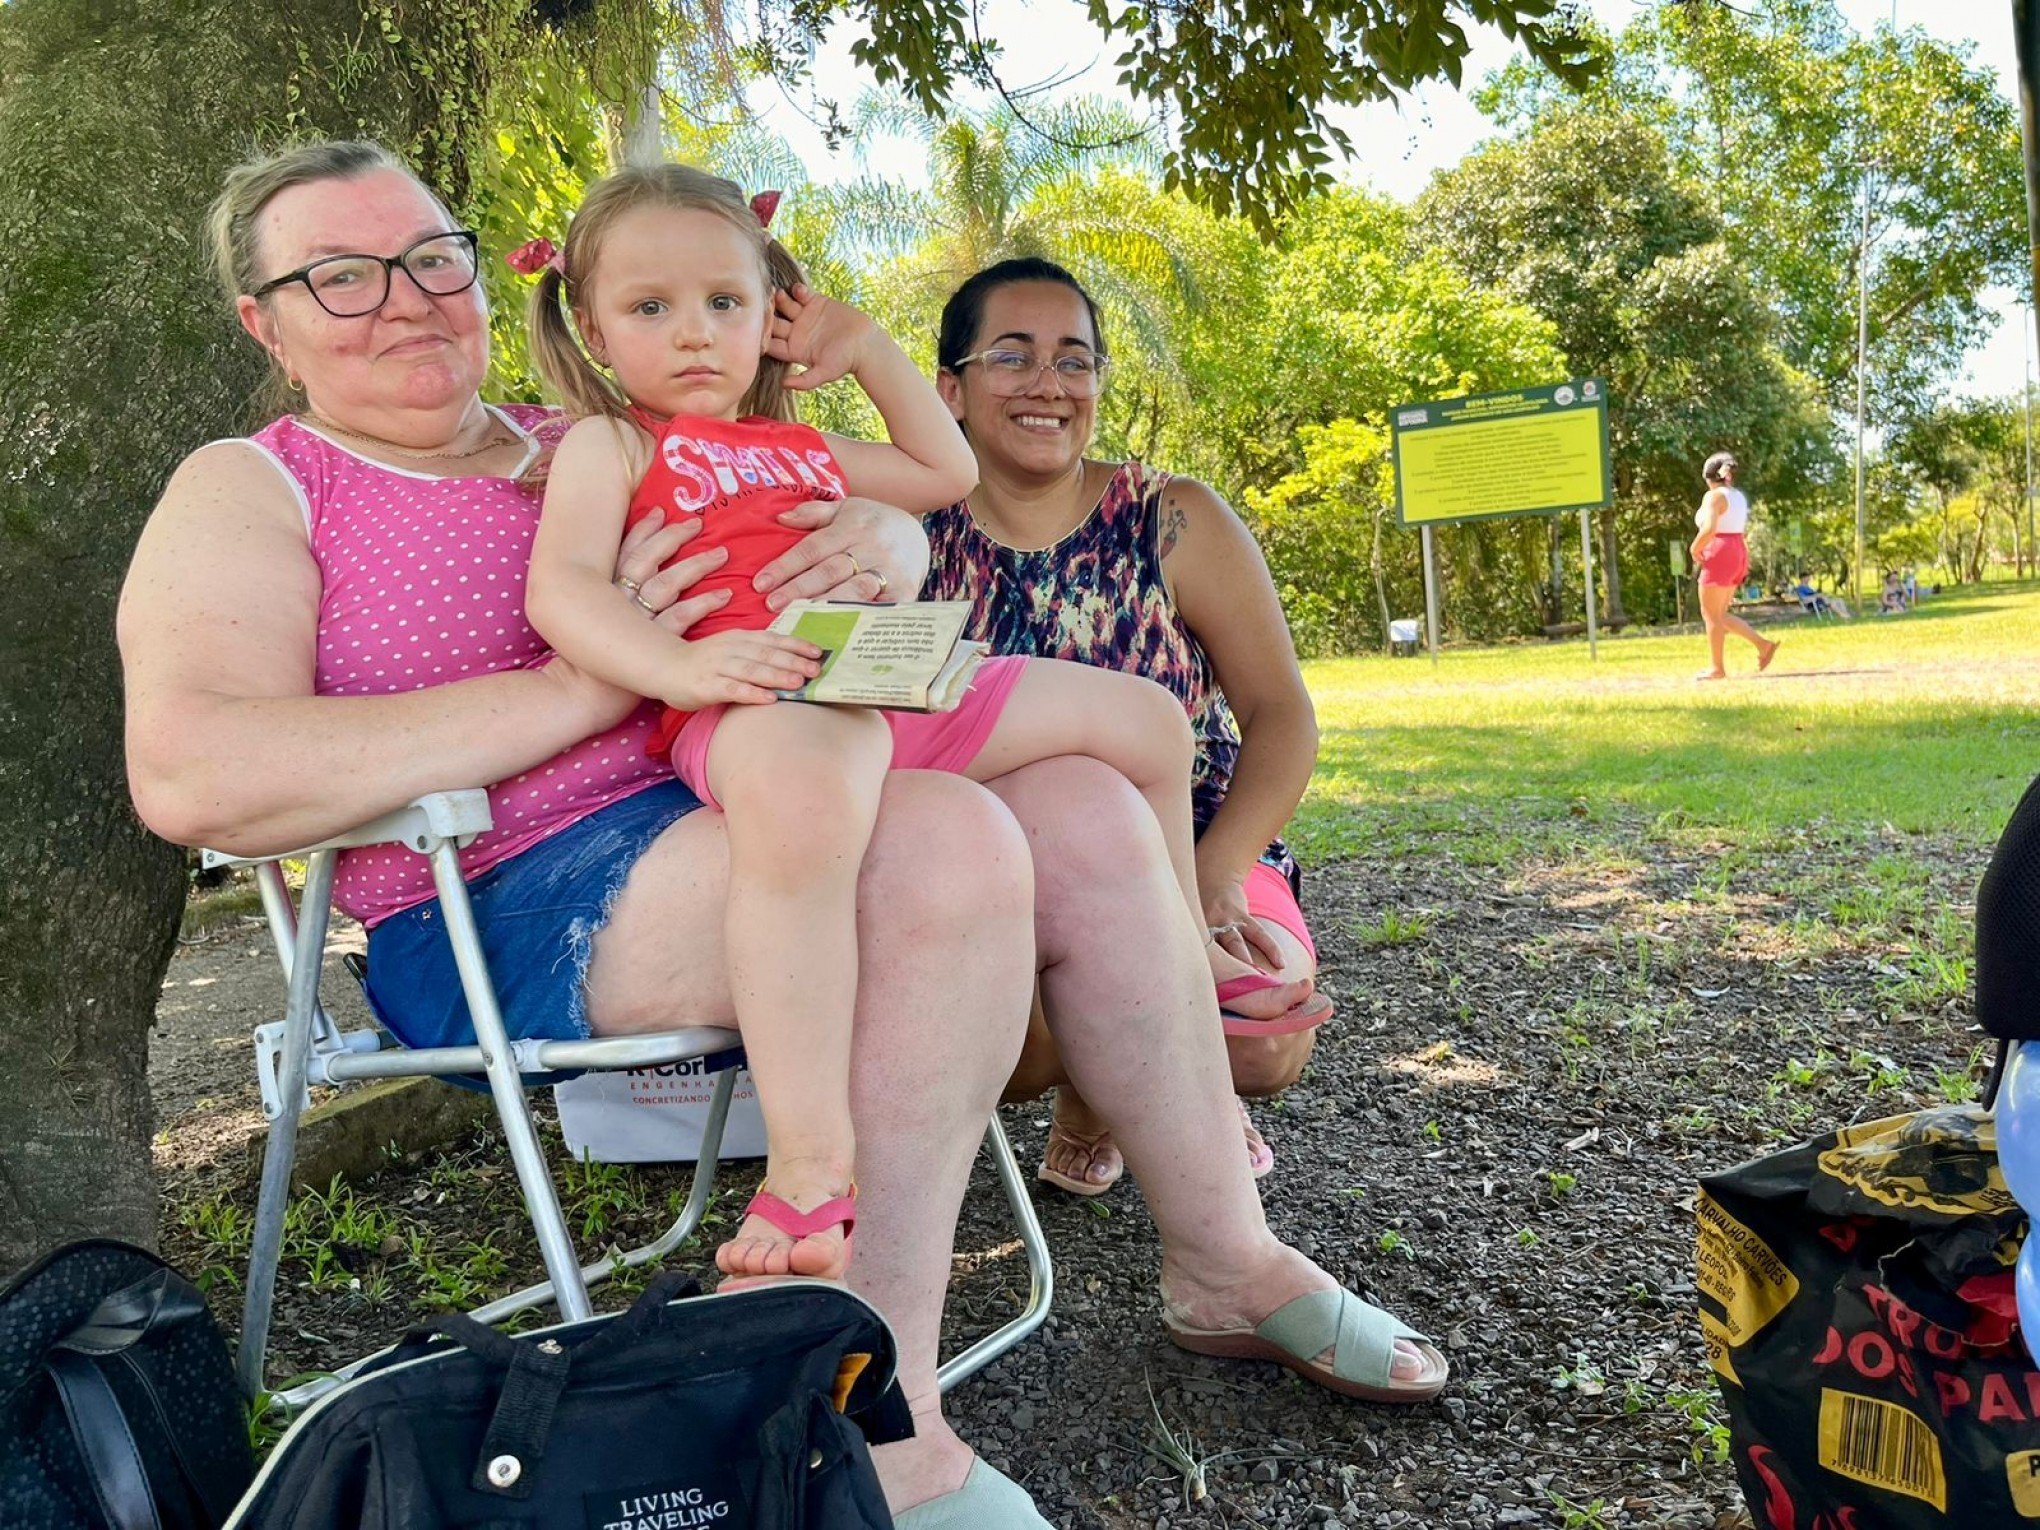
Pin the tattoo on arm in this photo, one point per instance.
(1173, 522)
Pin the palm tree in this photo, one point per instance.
(1003, 184)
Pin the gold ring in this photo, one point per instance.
(856, 568)
(643, 604)
(628, 585)
(882, 585)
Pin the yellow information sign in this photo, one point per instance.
(1534, 451)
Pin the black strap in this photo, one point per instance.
(624, 1331)
(119, 1473)
(113, 1462)
(888, 1419)
(523, 1418)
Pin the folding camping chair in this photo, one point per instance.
(306, 1048)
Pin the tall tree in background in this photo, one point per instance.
(1788, 122)
(1585, 219)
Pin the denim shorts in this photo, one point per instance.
(538, 914)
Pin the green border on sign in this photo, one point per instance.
(1473, 414)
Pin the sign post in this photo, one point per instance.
(1430, 593)
(1533, 451)
(1587, 563)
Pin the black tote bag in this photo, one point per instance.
(750, 1408)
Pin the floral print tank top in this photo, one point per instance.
(1095, 597)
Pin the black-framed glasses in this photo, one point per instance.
(354, 286)
(1009, 373)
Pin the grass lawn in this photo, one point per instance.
(1927, 723)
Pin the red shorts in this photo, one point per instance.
(946, 741)
(1727, 560)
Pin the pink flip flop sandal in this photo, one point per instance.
(797, 1225)
(1313, 1010)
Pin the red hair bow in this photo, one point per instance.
(536, 256)
(764, 205)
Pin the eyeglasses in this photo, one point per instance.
(354, 286)
(1008, 374)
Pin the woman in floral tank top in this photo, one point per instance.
(1127, 567)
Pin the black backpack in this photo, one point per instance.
(746, 1410)
(118, 1406)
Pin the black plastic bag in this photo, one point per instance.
(1857, 1300)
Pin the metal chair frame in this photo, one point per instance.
(306, 1047)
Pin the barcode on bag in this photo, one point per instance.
(1880, 1443)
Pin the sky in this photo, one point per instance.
(1401, 145)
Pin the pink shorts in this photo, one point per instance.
(946, 741)
(1727, 560)
(1271, 899)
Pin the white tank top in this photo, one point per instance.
(1733, 519)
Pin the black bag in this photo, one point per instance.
(1856, 1297)
(117, 1398)
(734, 1410)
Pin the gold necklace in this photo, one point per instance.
(488, 443)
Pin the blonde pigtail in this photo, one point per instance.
(557, 353)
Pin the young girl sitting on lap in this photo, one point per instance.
(694, 313)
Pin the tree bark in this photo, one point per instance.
(1611, 570)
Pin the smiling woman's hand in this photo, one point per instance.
(856, 549)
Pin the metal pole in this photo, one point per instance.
(1430, 593)
(2026, 38)
(1862, 371)
(1587, 563)
(2028, 548)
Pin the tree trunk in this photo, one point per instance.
(118, 357)
(1611, 571)
(1554, 591)
(1380, 578)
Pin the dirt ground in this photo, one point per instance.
(1535, 1057)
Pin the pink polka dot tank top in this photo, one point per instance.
(423, 584)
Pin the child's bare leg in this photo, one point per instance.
(1141, 731)
(800, 787)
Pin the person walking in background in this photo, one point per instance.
(1723, 557)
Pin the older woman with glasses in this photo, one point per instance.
(1120, 565)
(326, 619)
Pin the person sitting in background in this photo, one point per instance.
(1892, 598)
(1818, 604)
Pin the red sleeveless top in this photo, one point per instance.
(738, 477)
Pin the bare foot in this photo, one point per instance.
(1764, 659)
(779, 1238)
(1260, 1156)
(1244, 1299)
(1712, 674)
(1080, 1148)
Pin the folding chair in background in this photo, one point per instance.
(306, 1048)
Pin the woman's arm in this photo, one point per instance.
(1221, 586)
(226, 743)
(1712, 506)
(926, 463)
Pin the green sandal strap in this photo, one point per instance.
(1359, 1334)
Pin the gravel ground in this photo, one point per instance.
(1536, 1055)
